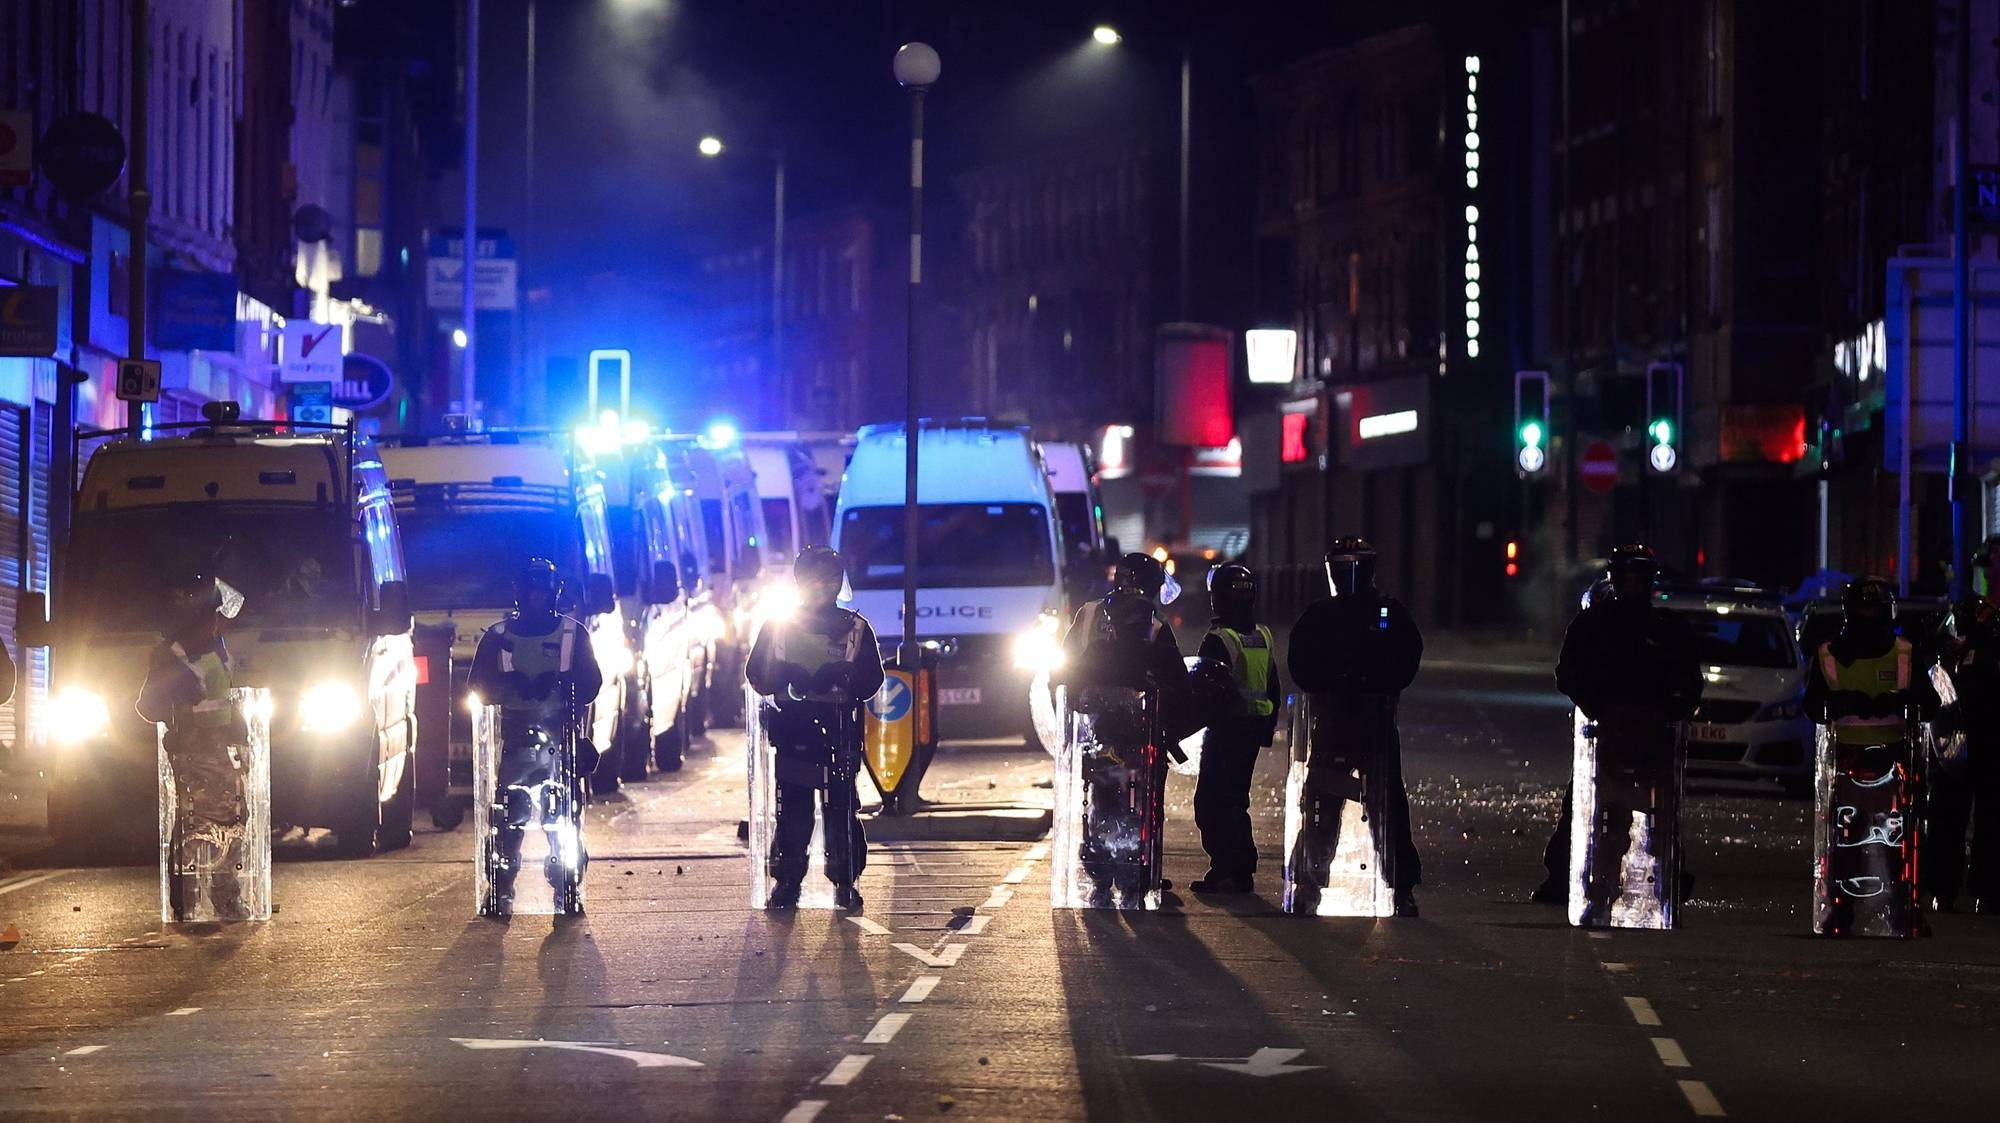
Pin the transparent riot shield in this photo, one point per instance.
(1337, 845)
(215, 811)
(527, 818)
(788, 787)
(1865, 837)
(1110, 781)
(1625, 819)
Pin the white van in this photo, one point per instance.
(990, 561)
(1073, 477)
(298, 518)
(473, 509)
(745, 575)
(789, 485)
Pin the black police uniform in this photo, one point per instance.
(1357, 653)
(817, 669)
(1971, 647)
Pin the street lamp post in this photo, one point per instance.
(1105, 35)
(916, 67)
(712, 146)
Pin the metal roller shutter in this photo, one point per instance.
(15, 551)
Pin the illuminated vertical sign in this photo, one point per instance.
(1471, 206)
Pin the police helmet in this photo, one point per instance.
(1350, 565)
(1140, 574)
(540, 575)
(1632, 560)
(1868, 595)
(1232, 588)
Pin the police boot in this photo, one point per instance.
(1552, 891)
(846, 897)
(784, 895)
(1406, 902)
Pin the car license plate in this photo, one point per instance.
(1708, 733)
(959, 696)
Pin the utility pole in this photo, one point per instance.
(1962, 482)
(469, 376)
(778, 379)
(139, 200)
(1187, 130)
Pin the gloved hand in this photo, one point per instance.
(519, 683)
(836, 679)
(792, 679)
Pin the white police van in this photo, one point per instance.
(990, 562)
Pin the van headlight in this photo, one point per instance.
(77, 715)
(1040, 648)
(617, 661)
(329, 707)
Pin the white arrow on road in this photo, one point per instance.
(948, 957)
(1263, 1062)
(638, 1057)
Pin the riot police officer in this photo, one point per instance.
(1236, 666)
(1968, 791)
(537, 666)
(1621, 650)
(1356, 651)
(188, 679)
(1124, 671)
(817, 668)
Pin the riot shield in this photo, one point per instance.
(215, 811)
(527, 818)
(784, 785)
(1337, 846)
(1625, 819)
(1110, 780)
(1865, 837)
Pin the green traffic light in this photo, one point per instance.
(1663, 432)
(1531, 434)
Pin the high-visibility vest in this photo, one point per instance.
(534, 656)
(215, 709)
(1874, 676)
(812, 650)
(1250, 664)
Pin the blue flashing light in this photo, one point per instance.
(721, 433)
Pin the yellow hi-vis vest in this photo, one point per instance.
(1874, 676)
(1250, 663)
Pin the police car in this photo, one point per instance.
(1750, 724)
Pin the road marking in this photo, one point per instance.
(27, 880)
(1036, 852)
(183, 1011)
(18, 979)
(946, 958)
(868, 926)
(850, 1066)
(885, 1030)
(1616, 968)
(921, 989)
(1598, 935)
(805, 1112)
(1000, 896)
(1701, 1099)
(1642, 1011)
(974, 925)
(1670, 1052)
(1264, 1062)
(84, 1050)
(638, 1057)
(1016, 875)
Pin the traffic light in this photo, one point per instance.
(1513, 558)
(1531, 422)
(1663, 418)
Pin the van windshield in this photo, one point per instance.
(469, 558)
(959, 546)
(294, 566)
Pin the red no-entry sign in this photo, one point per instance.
(1599, 467)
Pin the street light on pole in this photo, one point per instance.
(916, 67)
(1104, 35)
(712, 146)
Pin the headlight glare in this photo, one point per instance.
(329, 708)
(1040, 649)
(77, 715)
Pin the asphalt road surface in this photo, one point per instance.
(959, 993)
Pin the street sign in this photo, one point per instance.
(311, 402)
(495, 277)
(1599, 468)
(138, 380)
(1984, 202)
(890, 734)
(28, 321)
(193, 310)
(83, 154)
(1917, 352)
(17, 147)
(365, 383)
(311, 352)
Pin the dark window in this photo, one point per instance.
(292, 566)
(471, 558)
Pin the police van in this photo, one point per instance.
(745, 576)
(298, 518)
(474, 507)
(991, 599)
(1073, 477)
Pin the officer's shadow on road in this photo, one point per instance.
(776, 946)
(571, 970)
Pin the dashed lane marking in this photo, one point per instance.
(1616, 968)
(1016, 875)
(1670, 1052)
(183, 1011)
(946, 957)
(850, 1066)
(1000, 896)
(868, 926)
(974, 925)
(1642, 1011)
(27, 880)
(1701, 1099)
(1598, 935)
(84, 1050)
(1036, 852)
(886, 1029)
(921, 989)
(805, 1112)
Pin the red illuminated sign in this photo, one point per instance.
(1292, 438)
